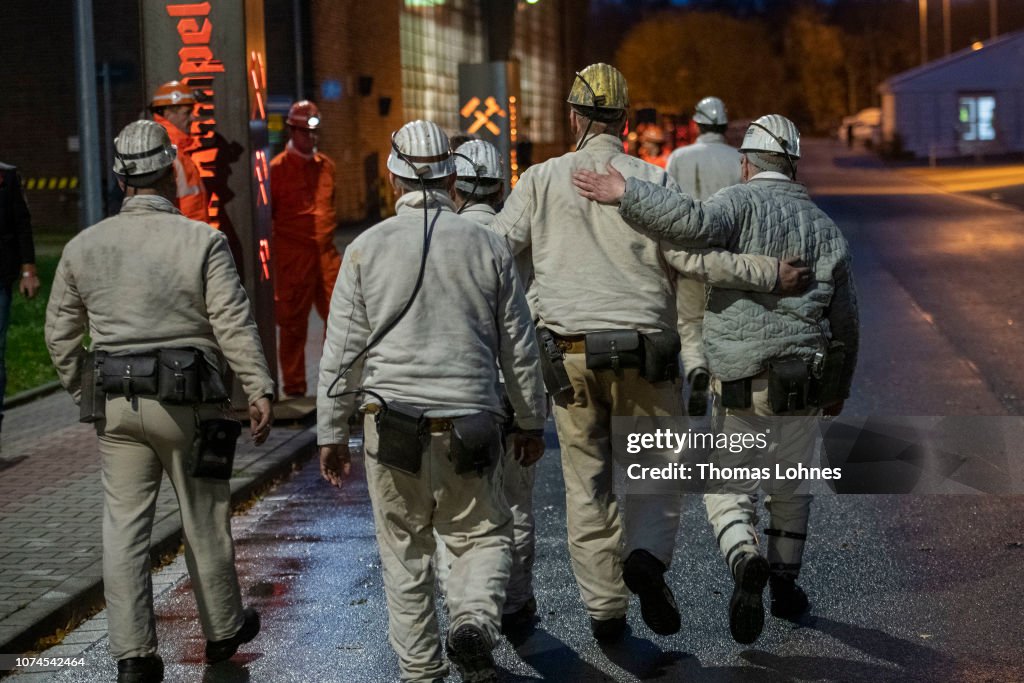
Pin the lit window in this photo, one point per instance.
(436, 37)
(977, 118)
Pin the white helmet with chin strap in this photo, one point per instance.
(143, 153)
(478, 168)
(774, 134)
(420, 150)
(710, 111)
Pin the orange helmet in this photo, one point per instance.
(304, 114)
(172, 94)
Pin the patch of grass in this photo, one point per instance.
(28, 362)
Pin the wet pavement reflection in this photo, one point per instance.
(308, 562)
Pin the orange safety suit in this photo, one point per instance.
(305, 261)
(658, 160)
(191, 197)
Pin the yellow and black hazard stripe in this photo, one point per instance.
(51, 183)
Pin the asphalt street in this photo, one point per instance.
(904, 588)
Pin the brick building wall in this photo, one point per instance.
(352, 44)
(344, 41)
(38, 104)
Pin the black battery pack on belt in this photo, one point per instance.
(826, 375)
(128, 374)
(92, 405)
(661, 356)
(787, 384)
(476, 442)
(736, 394)
(213, 448)
(552, 366)
(614, 350)
(179, 376)
(401, 437)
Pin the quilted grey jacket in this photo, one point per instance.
(774, 217)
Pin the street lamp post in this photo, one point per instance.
(922, 13)
(947, 29)
(88, 126)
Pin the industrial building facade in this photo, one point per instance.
(969, 103)
(370, 68)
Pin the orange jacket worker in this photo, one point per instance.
(172, 106)
(305, 261)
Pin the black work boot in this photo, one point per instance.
(219, 650)
(699, 380)
(608, 630)
(746, 607)
(788, 599)
(140, 670)
(644, 574)
(470, 652)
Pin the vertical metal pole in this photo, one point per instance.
(993, 18)
(108, 134)
(947, 29)
(88, 128)
(300, 86)
(922, 13)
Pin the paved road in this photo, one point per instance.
(904, 588)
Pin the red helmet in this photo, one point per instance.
(304, 114)
(172, 94)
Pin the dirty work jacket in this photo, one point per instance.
(593, 271)
(150, 278)
(302, 205)
(192, 200)
(469, 312)
(705, 167)
(769, 215)
(484, 214)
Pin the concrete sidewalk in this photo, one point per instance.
(51, 503)
(51, 506)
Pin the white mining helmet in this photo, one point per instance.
(774, 134)
(481, 172)
(420, 149)
(710, 112)
(142, 153)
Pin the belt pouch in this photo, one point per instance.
(179, 376)
(787, 384)
(129, 374)
(401, 437)
(736, 394)
(213, 448)
(552, 366)
(614, 350)
(211, 382)
(661, 356)
(476, 442)
(93, 404)
(826, 374)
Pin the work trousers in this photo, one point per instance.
(733, 513)
(304, 277)
(141, 440)
(517, 485)
(471, 517)
(597, 544)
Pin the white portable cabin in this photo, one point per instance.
(969, 103)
